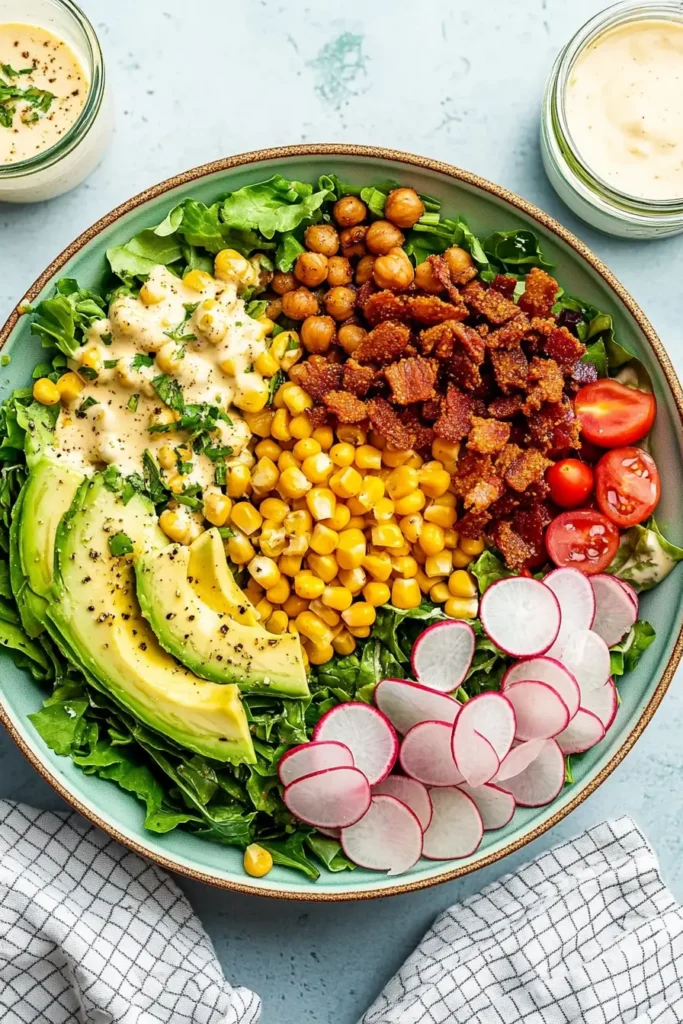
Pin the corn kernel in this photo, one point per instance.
(324, 436)
(411, 527)
(405, 566)
(298, 523)
(431, 539)
(197, 280)
(472, 547)
(356, 522)
(230, 265)
(260, 422)
(324, 566)
(289, 565)
(440, 564)
(300, 426)
(45, 392)
(353, 579)
(405, 593)
(278, 622)
(279, 428)
(320, 654)
(339, 518)
(169, 357)
(264, 570)
(351, 549)
(308, 586)
(344, 643)
(254, 397)
(461, 608)
(321, 503)
(343, 454)
(439, 593)
(378, 564)
(383, 510)
(423, 581)
(338, 598)
(267, 448)
(217, 508)
(323, 540)
(346, 483)
(239, 480)
(393, 457)
(352, 433)
(368, 457)
(293, 483)
(267, 326)
(173, 525)
(448, 500)
(360, 631)
(313, 627)
(402, 481)
(387, 535)
(376, 593)
(370, 493)
(418, 554)
(460, 559)
(247, 518)
(257, 861)
(359, 614)
(240, 549)
(272, 539)
(274, 509)
(280, 591)
(69, 386)
(462, 584)
(451, 539)
(434, 480)
(282, 351)
(296, 400)
(304, 652)
(441, 515)
(294, 606)
(415, 461)
(286, 460)
(413, 502)
(445, 452)
(296, 546)
(305, 447)
(328, 615)
(317, 468)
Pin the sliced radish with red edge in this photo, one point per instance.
(406, 703)
(456, 828)
(332, 833)
(582, 733)
(426, 755)
(333, 798)
(520, 615)
(586, 656)
(542, 781)
(577, 604)
(474, 756)
(631, 591)
(546, 670)
(615, 610)
(387, 838)
(411, 793)
(313, 757)
(492, 716)
(540, 711)
(367, 733)
(442, 655)
(494, 804)
(603, 702)
(519, 758)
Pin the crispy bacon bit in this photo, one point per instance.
(505, 459)
(505, 284)
(510, 335)
(431, 409)
(505, 408)
(528, 468)
(564, 348)
(423, 432)
(429, 309)
(487, 436)
(456, 415)
(356, 378)
(411, 380)
(379, 306)
(476, 481)
(364, 293)
(464, 372)
(387, 422)
(554, 429)
(471, 342)
(318, 416)
(384, 343)
(489, 303)
(473, 524)
(443, 275)
(543, 325)
(546, 384)
(346, 407)
(539, 295)
(510, 369)
(515, 551)
(317, 378)
(438, 340)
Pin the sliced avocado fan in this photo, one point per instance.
(209, 642)
(214, 584)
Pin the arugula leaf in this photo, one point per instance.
(60, 724)
(120, 544)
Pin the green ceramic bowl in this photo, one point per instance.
(487, 207)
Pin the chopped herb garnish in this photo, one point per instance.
(120, 544)
(274, 384)
(250, 368)
(256, 308)
(189, 308)
(105, 339)
(132, 403)
(176, 334)
(87, 372)
(112, 479)
(217, 452)
(221, 473)
(183, 467)
(139, 360)
(225, 532)
(109, 364)
(5, 360)
(11, 95)
(86, 404)
(292, 344)
(153, 484)
(169, 391)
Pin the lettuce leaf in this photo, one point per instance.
(273, 206)
(625, 656)
(62, 320)
(514, 251)
(645, 557)
(488, 569)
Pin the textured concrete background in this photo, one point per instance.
(458, 81)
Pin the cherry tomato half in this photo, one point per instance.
(611, 414)
(627, 485)
(570, 482)
(584, 539)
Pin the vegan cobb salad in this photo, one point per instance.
(316, 468)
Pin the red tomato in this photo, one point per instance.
(627, 485)
(570, 482)
(611, 414)
(584, 539)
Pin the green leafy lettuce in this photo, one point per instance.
(645, 557)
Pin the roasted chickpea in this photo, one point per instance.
(382, 236)
(311, 268)
(353, 241)
(317, 333)
(364, 269)
(338, 271)
(426, 279)
(350, 337)
(299, 304)
(403, 207)
(393, 270)
(340, 302)
(458, 260)
(349, 211)
(282, 283)
(274, 308)
(322, 238)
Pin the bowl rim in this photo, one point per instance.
(548, 222)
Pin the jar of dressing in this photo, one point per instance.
(612, 122)
(55, 111)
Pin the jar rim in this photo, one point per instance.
(91, 108)
(622, 13)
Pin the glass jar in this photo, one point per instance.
(60, 167)
(590, 197)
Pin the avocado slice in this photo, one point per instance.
(95, 611)
(210, 642)
(214, 584)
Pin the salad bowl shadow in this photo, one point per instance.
(487, 208)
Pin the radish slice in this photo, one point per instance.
(521, 616)
(333, 833)
(586, 656)
(442, 655)
(495, 805)
(411, 793)
(615, 611)
(602, 702)
(630, 590)
(519, 758)
(426, 755)
(456, 828)
(492, 716)
(387, 838)
(539, 710)
(577, 604)
(367, 733)
(542, 781)
(474, 756)
(333, 798)
(546, 670)
(313, 757)
(405, 704)
(582, 733)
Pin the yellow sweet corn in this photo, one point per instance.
(323, 539)
(403, 481)
(257, 861)
(342, 454)
(239, 480)
(346, 483)
(376, 593)
(359, 614)
(472, 547)
(278, 621)
(368, 457)
(462, 584)
(324, 566)
(387, 535)
(217, 508)
(353, 579)
(245, 517)
(344, 643)
(378, 564)
(69, 386)
(405, 593)
(338, 598)
(431, 539)
(351, 549)
(461, 608)
(264, 570)
(45, 392)
(440, 564)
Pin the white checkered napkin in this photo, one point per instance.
(586, 933)
(92, 934)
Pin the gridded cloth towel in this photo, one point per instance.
(586, 932)
(92, 934)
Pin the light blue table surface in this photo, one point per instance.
(194, 80)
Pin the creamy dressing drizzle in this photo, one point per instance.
(56, 69)
(215, 367)
(624, 106)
